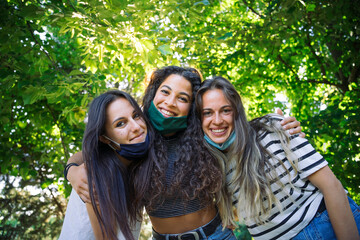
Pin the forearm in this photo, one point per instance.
(76, 158)
(336, 202)
(94, 222)
(340, 213)
(77, 176)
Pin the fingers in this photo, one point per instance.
(295, 130)
(84, 198)
(84, 194)
(289, 120)
(302, 134)
(292, 125)
(279, 111)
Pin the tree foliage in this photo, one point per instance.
(57, 55)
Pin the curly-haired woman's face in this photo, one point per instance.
(217, 116)
(123, 124)
(173, 97)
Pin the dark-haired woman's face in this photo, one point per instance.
(217, 116)
(123, 124)
(173, 97)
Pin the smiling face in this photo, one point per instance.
(217, 116)
(123, 124)
(173, 97)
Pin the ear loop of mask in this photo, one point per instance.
(118, 144)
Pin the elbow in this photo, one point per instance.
(333, 185)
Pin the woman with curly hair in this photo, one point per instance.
(282, 188)
(185, 177)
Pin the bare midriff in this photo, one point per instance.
(184, 223)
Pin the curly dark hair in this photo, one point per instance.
(197, 172)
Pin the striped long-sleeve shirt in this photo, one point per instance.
(303, 200)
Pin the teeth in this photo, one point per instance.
(167, 112)
(218, 130)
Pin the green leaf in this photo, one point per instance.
(165, 49)
(225, 36)
(32, 94)
(76, 72)
(310, 7)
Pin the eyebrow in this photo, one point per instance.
(183, 93)
(120, 118)
(220, 108)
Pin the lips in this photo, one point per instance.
(218, 132)
(167, 113)
(139, 137)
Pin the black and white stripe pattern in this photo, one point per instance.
(299, 200)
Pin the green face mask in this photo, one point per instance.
(166, 125)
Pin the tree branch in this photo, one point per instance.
(72, 6)
(66, 152)
(308, 43)
(288, 66)
(253, 10)
(324, 80)
(42, 49)
(354, 73)
(57, 203)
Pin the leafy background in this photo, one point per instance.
(56, 56)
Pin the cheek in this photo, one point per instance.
(157, 98)
(185, 108)
(231, 122)
(205, 124)
(121, 136)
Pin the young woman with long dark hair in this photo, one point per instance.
(282, 188)
(115, 143)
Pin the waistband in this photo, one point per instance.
(322, 206)
(195, 234)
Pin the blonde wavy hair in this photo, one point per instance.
(251, 177)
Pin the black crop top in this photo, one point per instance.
(174, 205)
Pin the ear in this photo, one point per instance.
(104, 139)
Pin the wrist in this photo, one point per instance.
(67, 168)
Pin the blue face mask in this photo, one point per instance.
(166, 125)
(132, 152)
(225, 144)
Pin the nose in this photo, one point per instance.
(170, 101)
(135, 127)
(217, 119)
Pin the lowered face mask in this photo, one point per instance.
(132, 152)
(166, 125)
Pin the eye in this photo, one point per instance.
(120, 124)
(136, 116)
(207, 113)
(184, 99)
(227, 110)
(164, 91)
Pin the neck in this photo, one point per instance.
(123, 160)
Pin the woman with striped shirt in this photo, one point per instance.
(282, 188)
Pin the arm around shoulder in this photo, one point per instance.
(77, 177)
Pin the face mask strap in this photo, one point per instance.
(112, 142)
